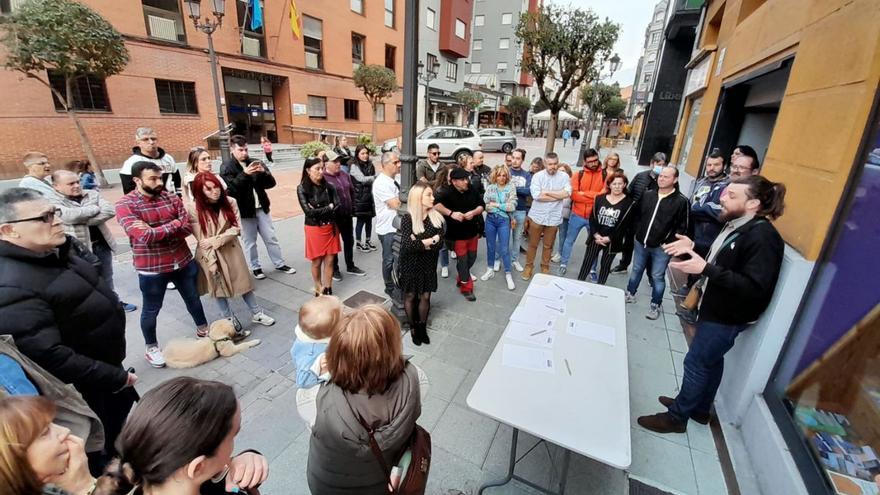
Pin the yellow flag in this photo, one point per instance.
(294, 20)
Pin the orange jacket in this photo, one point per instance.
(586, 184)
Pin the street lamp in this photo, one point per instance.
(498, 95)
(428, 76)
(208, 26)
(613, 65)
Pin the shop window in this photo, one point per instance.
(89, 92)
(379, 112)
(313, 34)
(317, 107)
(358, 46)
(390, 57)
(162, 18)
(351, 108)
(176, 96)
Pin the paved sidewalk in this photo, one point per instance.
(469, 449)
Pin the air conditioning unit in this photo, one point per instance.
(162, 28)
(250, 46)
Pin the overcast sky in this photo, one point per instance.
(633, 17)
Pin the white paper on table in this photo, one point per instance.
(527, 333)
(550, 292)
(569, 287)
(541, 321)
(527, 358)
(537, 305)
(590, 330)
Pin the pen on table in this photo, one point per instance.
(538, 333)
(567, 367)
(554, 309)
(558, 286)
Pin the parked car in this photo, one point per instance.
(453, 141)
(503, 140)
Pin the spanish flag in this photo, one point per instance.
(294, 20)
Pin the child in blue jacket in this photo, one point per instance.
(317, 318)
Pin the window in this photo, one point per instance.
(390, 57)
(400, 113)
(430, 16)
(162, 17)
(317, 107)
(313, 33)
(658, 16)
(479, 20)
(357, 6)
(460, 28)
(432, 63)
(504, 43)
(351, 109)
(389, 13)
(379, 112)
(506, 19)
(176, 96)
(358, 43)
(478, 44)
(502, 66)
(253, 41)
(655, 37)
(476, 68)
(647, 78)
(89, 92)
(451, 71)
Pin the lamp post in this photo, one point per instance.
(208, 26)
(499, 94)
(429, 75)
(614, 64)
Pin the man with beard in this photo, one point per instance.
(147, 149)
(157, 226)
(740, 272)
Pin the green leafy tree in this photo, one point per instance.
(470, 99)
(566, 45)
(518, 106)
(614, 108)
(69, 39)
(378, 83)
(540, 106)
(603, 99)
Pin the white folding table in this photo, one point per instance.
(583, 405)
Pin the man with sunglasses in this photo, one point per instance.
(586, 184)
(427, 170)
(147, 149)
(59, 311)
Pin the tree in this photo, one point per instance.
(70, 40)
(567, 46)
(378, 83)
(603, 99)
(470, 99)
(518, 106)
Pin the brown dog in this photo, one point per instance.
(188, 353)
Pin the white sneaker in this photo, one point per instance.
(263, 319)
(556, 257)
(509, 278)
(489, 274)
(473, 277)
(444, 271)
(154, 357)
(630, 298)
(497, 266)
(452, 255)
(517, 266)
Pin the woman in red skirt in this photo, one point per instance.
(319, 202)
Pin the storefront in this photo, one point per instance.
(825, 391)
(250, 103)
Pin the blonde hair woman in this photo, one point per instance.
(421, 234)
(610, 165)
(500, 199)
(198, 161)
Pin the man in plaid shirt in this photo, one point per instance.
(157, 226)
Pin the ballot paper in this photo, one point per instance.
(590, 330)
(549, 292)
(530, 335)
(539, 321)
(542, 306)
(527, 358)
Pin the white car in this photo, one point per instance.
(453, 141)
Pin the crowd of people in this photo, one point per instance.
(56, 267)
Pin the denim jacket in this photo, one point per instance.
(304, 352)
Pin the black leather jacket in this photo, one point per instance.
(316, 201)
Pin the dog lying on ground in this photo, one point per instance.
(188, 353)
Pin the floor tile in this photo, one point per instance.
(677, 341)
(432, 409)
(653, 336)
(462, 353)
(678, 362)
(663, 462)
(466, 433)
(710, 479)
(700, 438)
(444, 379)
(642, 406)
(649, 357)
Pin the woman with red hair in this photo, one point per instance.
(224, 272)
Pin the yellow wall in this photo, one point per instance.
(827, 101)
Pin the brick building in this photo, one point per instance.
(271, 82)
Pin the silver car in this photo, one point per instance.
(498, 140)
(453, 142)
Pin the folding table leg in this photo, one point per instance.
(510, 467)
(566, 456)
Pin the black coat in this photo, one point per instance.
(642, 182)
(363, 205)
(242, 186)
(658, 220)
(741, 280)
(63, 315)
(315, 202)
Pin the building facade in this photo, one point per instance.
(646, 68)
(271, 82)
(798, 81)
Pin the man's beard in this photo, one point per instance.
(727, 215)
(154, 191)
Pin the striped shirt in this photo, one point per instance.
(161, 246)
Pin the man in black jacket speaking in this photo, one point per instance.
(740, 275)
(60, 311)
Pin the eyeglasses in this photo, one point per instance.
(149, 139)
(741, 167)
(48, 217)
(591, 162)
(434, 153)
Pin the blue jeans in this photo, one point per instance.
(153, 289)
(658, 260)
(387, 240)
(498, 234)
(703, 368)
(575, 224)
(249, 299)
(262, 225)
(444, 255)
(516, 235)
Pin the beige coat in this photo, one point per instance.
(224, 271)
